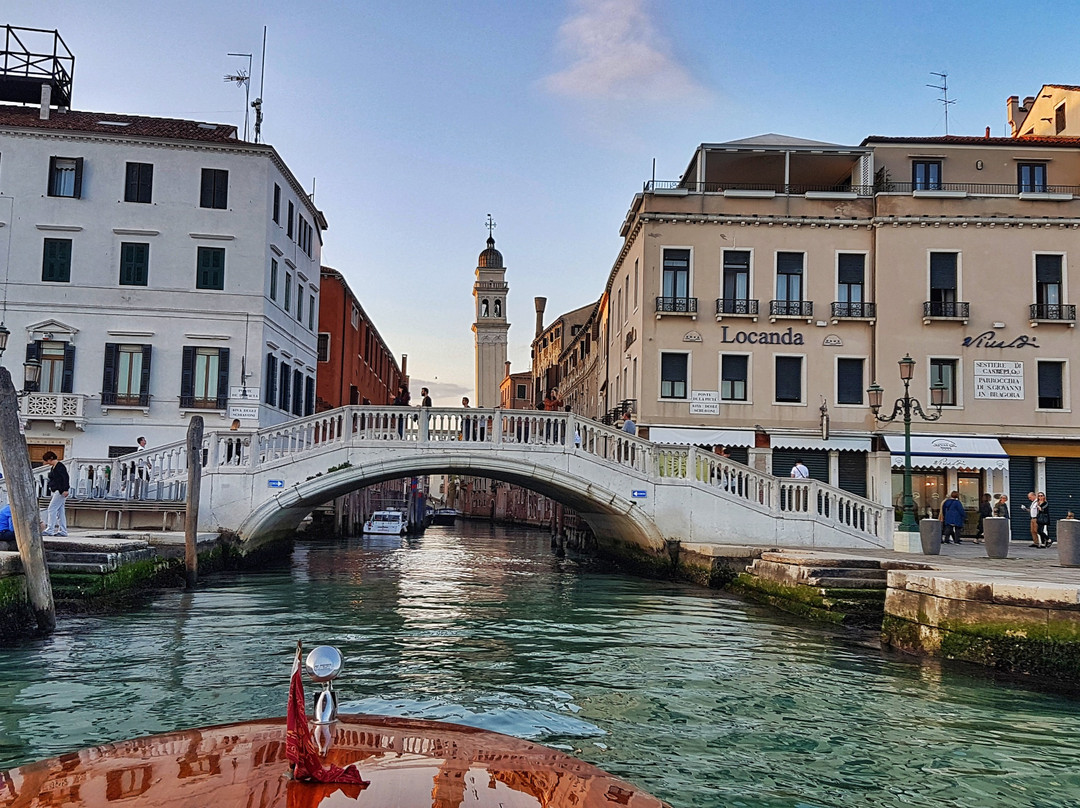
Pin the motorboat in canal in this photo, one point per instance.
(390, 523)
(335, 760)
(444, 516)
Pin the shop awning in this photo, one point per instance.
(942, 452)
(701, 436)
(809, 442)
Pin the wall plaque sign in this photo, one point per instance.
(999, 380)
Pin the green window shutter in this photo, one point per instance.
(108, 378)
(211, 268)
(56, 264)
(134, 264)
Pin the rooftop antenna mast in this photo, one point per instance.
(257, 103)
(945, 100)
(242, 78)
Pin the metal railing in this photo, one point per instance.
(865, 310)
(1065, 312)
(736, 306)
(677, 305)
(791, 189)
(946, 310)
(976, 188)
(791, 308)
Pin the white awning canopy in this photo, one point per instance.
(809, 442)
(943, 452)
(701, 436)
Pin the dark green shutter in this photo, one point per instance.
(108, 376)
(223, 379)
(309, 396)
(270, 394)
(187, 377)
(1021, 481)
(815, 460)
(283, 388)
(78, 178)
(56, 264)
(134, 258)
(852, 472)
(206, 195)
(144, 378)
(211, 268)
(67, 381)
(1062, 488)
(33, 351)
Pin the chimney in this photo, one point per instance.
(404, 366)
(988, 133)
(46, 99)
(541, 304)
(507, 369)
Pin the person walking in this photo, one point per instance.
(1033, 512)
(985, 510)
(466, 430)
(426, 401)
(1002, 507)
(628, 425)
(799, 471)
(1042, 520)
(952, 519)
(59, 488)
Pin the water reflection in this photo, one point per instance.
(701, 699)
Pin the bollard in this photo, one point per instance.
(996, 534)
(1068, 542)
(930, 536)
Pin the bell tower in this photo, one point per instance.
(490, 292)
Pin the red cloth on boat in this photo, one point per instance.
(299, 746)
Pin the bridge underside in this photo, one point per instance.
(613, 519)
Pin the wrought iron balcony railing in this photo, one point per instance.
(677, 305)
(863, 310)
(791, 308)
(976, 188)
(946, 310)
(736, 306)
(774, 187)
(1065, 312)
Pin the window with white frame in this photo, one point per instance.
(943, 372)
(1051, 384)
(674, 368)
(734, 377)
(789, 380)
(849, 380)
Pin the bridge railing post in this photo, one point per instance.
(497, 427)
(424, 424)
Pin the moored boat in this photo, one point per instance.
(386, 523)
(444, 516)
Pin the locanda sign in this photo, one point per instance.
(789, 337)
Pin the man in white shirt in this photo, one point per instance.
(799, 471)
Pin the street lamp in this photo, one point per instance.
(31, 367)
(906, 406)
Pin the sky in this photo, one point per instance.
(412, 120)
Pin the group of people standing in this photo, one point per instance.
(953, 516)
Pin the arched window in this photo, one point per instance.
(484, 307)
(498, 307)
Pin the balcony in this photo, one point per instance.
(854, 311)
(791, 308)
(756, 188)
(60, 408)
(676, 305)
(945, 310)
(735, 307)
(974, 188)
(1053, 313)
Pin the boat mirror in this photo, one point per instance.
(324, 663)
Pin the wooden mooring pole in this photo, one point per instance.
(194, 489)
(25, 517)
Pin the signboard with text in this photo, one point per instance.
(1000, 380)
(704, 402)
(243, 412)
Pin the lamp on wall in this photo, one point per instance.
(31, 367)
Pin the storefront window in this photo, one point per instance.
(927, 489)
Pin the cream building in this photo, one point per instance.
(489, 291)
(757, 297)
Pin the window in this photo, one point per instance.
(1051, 385)
(324, 347)
(943, 371)
(311, 312)
(134, 263)
(304, 235)
(734, 375)
(297, 393)
(789, 277)
(56, 262)
(288, 291)
(273, 279)
(635, 283)
(943, 286)
(1032, 177)
(270, 392)
(736, 282)
(1047, 283)
(277, 203)
(215, 188)
(522, 392)
(139, 183)
(210, 273)
(789, 380)
(673, 375)
(676, 274)
(65, 176)
(284, 387)
(300, 302)
(289, 223)
(354, 318)
(57, 365)
(926, 175)
(849, 381)
(1059, 118)
(204, 378)
(126, 376)
(309, 395)
(850, 274)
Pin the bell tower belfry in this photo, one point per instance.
(490, 292)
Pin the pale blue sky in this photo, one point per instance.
(417, 119)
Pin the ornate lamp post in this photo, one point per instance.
(906, 406)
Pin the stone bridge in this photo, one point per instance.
(261, 484)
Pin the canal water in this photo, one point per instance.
(700, 698)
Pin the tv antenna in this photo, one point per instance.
(945, 100)
(257, 103)
(242, 78)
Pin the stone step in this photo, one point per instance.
(69, 544)
(85, 569)
(847, 583)
(846, 572)
(111, 560)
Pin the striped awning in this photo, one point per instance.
(942, 452)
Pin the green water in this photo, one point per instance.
(700, 698)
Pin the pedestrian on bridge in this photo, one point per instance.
(799, 471)
(59, 488)
(628, 425)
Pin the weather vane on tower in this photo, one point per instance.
(490, 226)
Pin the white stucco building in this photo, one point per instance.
(157, 268)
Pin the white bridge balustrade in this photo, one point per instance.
(261, 483)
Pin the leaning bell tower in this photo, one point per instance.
(490, 326)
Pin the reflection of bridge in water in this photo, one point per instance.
(261, 484)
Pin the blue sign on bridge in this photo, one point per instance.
(637, 494)
(275, 483)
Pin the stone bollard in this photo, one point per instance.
(1068, 542)
(930, 536)
(996, 534)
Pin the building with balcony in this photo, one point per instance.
(757, 297)
(156, 268)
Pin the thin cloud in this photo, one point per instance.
(616, 53)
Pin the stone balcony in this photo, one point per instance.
(60, 408)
